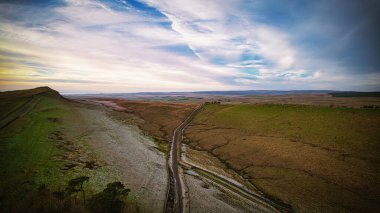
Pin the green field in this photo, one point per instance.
(26, 147)
(40, 155)
(26, 150)
(310, 157)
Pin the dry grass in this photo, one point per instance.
(158, 119)
(307, 99)
(314, 158)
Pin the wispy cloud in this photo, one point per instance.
(161, 45)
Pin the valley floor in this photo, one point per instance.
(133, 156)
(291, 157)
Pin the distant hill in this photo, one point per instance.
(355, 94)
(264, 92)
(213, 93)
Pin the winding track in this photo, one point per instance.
(175, 196)
(174, 199)
(19, 112)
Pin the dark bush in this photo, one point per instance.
(76, 185)
(111, 199)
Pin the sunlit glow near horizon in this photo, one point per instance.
(88, 46)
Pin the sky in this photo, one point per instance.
(89, 46)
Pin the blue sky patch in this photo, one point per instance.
(183, 50)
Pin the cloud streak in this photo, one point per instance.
(130, 46)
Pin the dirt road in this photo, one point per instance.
(255, 201)
(175, 202)
(111, 137)
(19, 112)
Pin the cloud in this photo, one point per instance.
(123, 51)
(225, 39)
(176, 45)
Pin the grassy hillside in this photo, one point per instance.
(39, 160)
(26, 148)
(26, 145)
(313, 158)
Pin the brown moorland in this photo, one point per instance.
(313, 158)
(157, 119)
(306, 99)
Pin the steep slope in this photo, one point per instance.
(44, 156)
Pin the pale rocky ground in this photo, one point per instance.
(132, 155)
(204, 197)
(205, 200)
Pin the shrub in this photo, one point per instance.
(111, 199)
